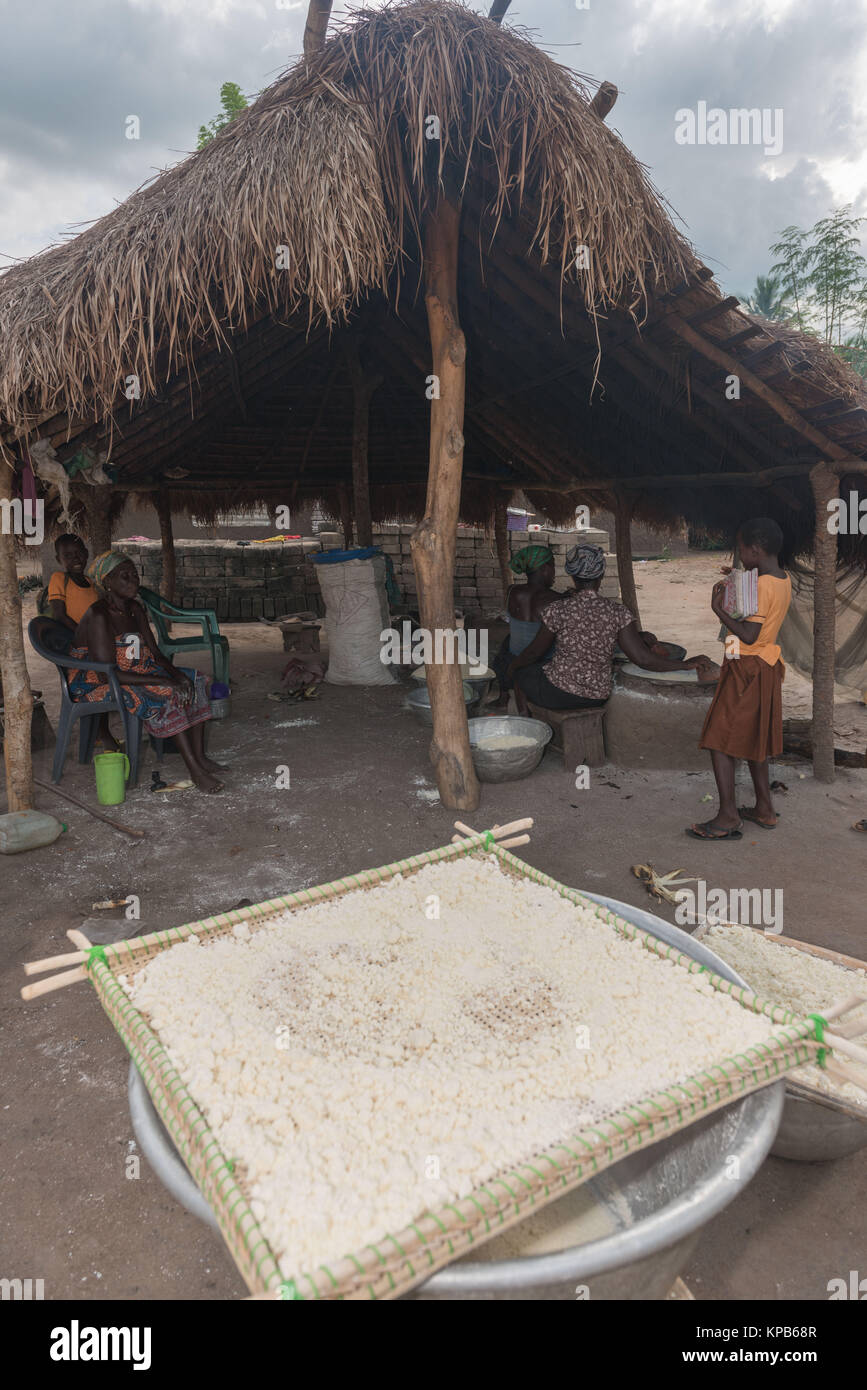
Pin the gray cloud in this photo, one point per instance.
(72, 76)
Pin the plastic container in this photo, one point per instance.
(220, 702)
(21, 830)
(112, 771)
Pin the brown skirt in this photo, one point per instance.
(745, 719)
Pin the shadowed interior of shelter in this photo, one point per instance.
(216, 334)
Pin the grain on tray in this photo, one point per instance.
(799, 981)
(369, 1058)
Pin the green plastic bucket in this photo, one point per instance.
(112, 770)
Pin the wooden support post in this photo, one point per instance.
(344, 502)
(604, 99)
(97, 502)
(501, 539)
(363, 387)
(317, 22)
(623, 509)
(434, 539)
(825, 484)
(17, 695)
(164, 512)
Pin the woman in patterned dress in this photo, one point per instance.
(587, 628)
(172, 701)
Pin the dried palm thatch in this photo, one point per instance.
(332, 164)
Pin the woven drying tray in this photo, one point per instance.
(406, 1258)
(856, 1109)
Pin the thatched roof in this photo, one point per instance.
(572, 373)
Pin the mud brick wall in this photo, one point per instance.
(241, 583)
(477, 573)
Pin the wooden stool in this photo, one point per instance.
(578, 734)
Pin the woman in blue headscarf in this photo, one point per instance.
(525, 604)
(587, 628)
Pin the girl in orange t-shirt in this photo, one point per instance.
(70, 592)
(745, 719)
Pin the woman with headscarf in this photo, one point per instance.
(525, 603)
(587, 628)
(171, 701)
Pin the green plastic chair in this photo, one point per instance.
(159, 609)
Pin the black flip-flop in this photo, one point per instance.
(744, 813)
(725, 835)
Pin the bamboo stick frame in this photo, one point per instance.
(406, 1258)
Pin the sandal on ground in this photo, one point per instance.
(701, 832)
(747, 813)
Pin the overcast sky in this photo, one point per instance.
(70, 75)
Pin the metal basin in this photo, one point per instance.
(816, 1128)
(658, 1199)
(419, 702)
(507, 764)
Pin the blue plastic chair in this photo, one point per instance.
(52, 640)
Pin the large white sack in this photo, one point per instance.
(356, 612)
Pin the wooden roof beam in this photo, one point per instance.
(731, 366)
(745, 334)
(713, 311)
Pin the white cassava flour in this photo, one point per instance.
(501, 741)
(370, 1058)
(800, 982)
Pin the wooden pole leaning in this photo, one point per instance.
(433, 542)
(501, 540)
(167, 542)
(623, 509)
(825, 485)
(17, 695)
(363, 386)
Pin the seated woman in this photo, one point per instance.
(171, 701)
(526, 603)
(586, 628)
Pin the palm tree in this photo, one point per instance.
(768, 299)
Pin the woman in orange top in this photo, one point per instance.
(745, 719)
(70, 592)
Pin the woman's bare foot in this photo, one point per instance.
(205, 782)
(210, 766)
(765, 816)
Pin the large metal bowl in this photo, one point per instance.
(419, 702)
(507, 764)
(659, 1198)
(815, 1127)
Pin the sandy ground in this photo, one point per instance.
(75, 1212)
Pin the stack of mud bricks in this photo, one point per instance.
(478, 588)
(240, 583)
